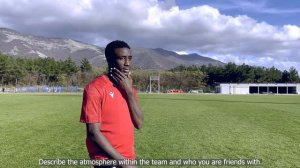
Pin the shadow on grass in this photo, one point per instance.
(224, 101)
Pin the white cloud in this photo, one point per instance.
(258, 6)
(282, 64)
(158, 24)
(182, 52)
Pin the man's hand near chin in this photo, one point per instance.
(123, 81)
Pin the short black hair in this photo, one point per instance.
(110, 48)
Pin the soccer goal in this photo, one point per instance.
(154, 84)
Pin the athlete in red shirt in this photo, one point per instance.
(110, 108)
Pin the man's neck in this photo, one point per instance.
(111, 79)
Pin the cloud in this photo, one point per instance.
(182, 52)
(158, 24)
(258, 6)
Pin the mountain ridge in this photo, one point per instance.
(17, 44)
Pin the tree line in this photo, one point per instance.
(44, 71)
(48, 71)
(232, 73)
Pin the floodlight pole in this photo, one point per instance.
(158, 81)
(150, 86)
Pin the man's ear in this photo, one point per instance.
(111, 64)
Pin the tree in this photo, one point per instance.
(69, 67)
(85, 65)
(294, 76)
(273, 75)
(285, 77)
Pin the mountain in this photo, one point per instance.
(163, 59)
(20, 45)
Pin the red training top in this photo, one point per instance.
(103, 103)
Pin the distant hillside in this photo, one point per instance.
(20, 45)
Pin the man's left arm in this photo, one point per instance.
(135, 111)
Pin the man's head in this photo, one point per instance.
(118, 55)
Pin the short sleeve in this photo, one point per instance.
(91, 105)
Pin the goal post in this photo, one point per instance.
(155, 78)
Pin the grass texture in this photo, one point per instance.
(266, 127)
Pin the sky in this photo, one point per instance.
(254, 32)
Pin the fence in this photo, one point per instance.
(42, 89)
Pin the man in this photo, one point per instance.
(110, 108)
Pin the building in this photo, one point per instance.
(259, 88)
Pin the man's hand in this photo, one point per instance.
(122, 80)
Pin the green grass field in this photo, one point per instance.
(266, 127)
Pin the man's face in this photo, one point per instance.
(123, 60)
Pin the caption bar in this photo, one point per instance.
(151, 162)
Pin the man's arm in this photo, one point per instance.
(135, 111)
(96, 136)
(102, 142)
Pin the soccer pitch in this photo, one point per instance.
(266, 127)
